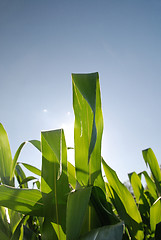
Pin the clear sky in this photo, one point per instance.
(43, 41)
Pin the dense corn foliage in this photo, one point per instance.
(75, 202)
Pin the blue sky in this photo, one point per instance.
(42, 42)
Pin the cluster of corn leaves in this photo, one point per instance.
(75, 203)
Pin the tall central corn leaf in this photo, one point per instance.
(88, 128)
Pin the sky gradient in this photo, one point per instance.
(42, 42)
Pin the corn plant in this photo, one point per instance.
(140, 210)
(74, 202)
(70, 203)
(10, 220)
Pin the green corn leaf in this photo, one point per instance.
(54, 159)
(51, 230)
(99, 212)
(22, 232)
(26, 201)
(150, 184)
(95, 211)
(76, 208)
(5, 158)
(15, 218)
(48, 231)
(5, 231)
(150, 159)
(59, 231)
(3, 216)
(113, 232)
(18, 233)
(20, 175)
(103, 207)
(71, 175)
(25, 180)
(124, 203)
(15, 159)
(155, 214)
(54, 179)
(37, 184)
(36, 143)
(31, 168)
(88, 128)
(140, 196)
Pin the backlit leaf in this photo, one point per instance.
(20, 175)
(140, 197)
(88, 128)
(26, 201)
(54, 179)
(155, 216)
(31, 168)
(150, 184)
(36, 143)
(151, 160)
(124, 203)
(5, 158)
(30, 178)
(15, 159)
